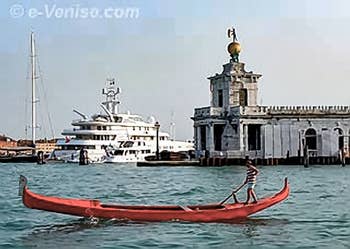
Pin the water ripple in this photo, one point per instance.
(314, 216)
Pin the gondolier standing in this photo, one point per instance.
(250, 180)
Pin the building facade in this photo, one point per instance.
(235, 126)
(46, 146)
(7, 142)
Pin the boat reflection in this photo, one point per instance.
(81, 225)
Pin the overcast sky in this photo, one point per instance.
(162, 59)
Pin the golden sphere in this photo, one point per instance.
(234, 48)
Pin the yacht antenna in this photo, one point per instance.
(111, 92)
(80, 114)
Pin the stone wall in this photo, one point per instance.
(287, 136)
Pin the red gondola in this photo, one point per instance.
(192, 213)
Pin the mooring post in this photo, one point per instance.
(157, 125)
(83, 157)
(342, 157)
(40, 157)
(306, 157)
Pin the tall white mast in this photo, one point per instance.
(172, 126)
(32, 55)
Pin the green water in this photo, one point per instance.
(316, 215)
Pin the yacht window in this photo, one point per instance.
(128, 144)
(104, 128)
(78, 147)
(139, 143)
(140, 128)
(118, 152)
(118, 119)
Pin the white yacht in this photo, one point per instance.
(114, 137)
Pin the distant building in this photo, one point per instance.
(46, 146)
(7, 142)
(235, 126)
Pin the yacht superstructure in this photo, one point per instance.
(112, 136)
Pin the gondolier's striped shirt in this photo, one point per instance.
(251, 175)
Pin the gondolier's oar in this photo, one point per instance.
(233, 194)
(228, 197)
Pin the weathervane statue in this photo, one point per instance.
(232, 33)
(234, 48)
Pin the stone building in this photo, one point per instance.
(46, 146)
(235, 126)
(7, 142)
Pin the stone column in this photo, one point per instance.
(346, 143)
(241, 137)
(210, 137)
(244, 138)
(262, 141)
(198, 138)
(245, 130)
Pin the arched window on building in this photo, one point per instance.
(311, 139)
(340, 138)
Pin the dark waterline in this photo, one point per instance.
(316, 215)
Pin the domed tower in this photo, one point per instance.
(234, 86)
(233, 93)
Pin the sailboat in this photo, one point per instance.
(26, 154)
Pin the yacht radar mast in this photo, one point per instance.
(111, 92)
